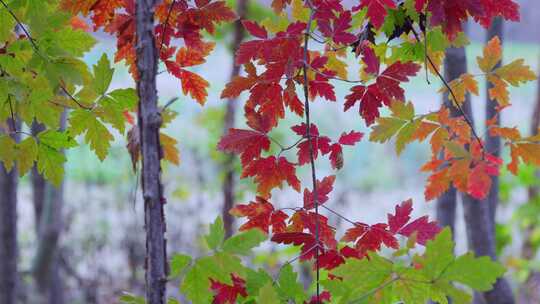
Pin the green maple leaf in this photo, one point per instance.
(242, 243)
(103, 74)
(96, 134)
(215, 237)
(268, 295)
(27, 155)
(178, 263)
(289, 287)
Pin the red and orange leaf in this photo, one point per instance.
(306, 240)
(261, 215)
(270, 173)
(492, 55)
(249, 144)
(194, 85)
(324, 188)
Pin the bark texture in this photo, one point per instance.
(48, 205)
(8, 229)
(529, 293)
(230, 113)
(480, 215)
(455, 64)
(149, 121)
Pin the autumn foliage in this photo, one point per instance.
(289, 65)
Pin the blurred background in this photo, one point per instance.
(101, 242)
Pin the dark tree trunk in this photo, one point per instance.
(149, 121)
(8, 230)
(455, 64)
(480, 215)
(530, 291)
(48, 203)
(229, 181)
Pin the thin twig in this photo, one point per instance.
(310, 141)
(447, 85)
(166, 25)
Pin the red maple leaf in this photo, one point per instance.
(370, 238)
(336, 28)
(261, 215)
(227, 294)
(324, 297)
(249, 144)
(398, 223)
(314, 223)
(350, 138)
(324, 187)
(319, 143)
(452, 14)
(306, 240)
(255, 29)
(382, 92)
(377, 10)
(271, 172)
(336, 156)
(330, 259)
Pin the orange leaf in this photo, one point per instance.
(195, 85)
(492, 55)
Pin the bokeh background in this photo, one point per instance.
(102, 242)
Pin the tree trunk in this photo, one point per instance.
(8, 230)
(48, 203)
(480, 215)
(149, 121)
(529, 293)
(229, 181)
(455, 64)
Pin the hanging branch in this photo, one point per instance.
(310, 141)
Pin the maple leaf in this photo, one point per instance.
(492, 55)
(261, 215)
(324, 187)
(336, 156)
(249, 144)
(195, 85)
(330, 259)
(227, 294)
(254, 29)
(240, 83)
(460, 86)
(270, 173)
(382, 92)
(377, 10)
(319, 143)
(351, 138)
(370, 238)
(338, 29)
(529, 153)
(314, 223)
(306, 240)
(324, 297)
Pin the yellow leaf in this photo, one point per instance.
(299, 11)
(516, 73)
(28, 152)
(7, 152)
(499, 90)
(492, 55)
(437, 58)
(336, 65)
(170, 152)
(460, 86)
(276, 23)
